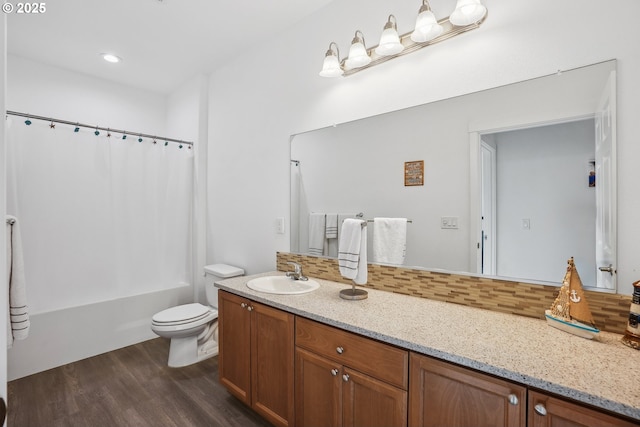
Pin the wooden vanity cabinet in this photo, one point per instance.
(447, 395)
(549, 411)
(255, 361)
(343, 379)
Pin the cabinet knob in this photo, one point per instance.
(250, 308)
(243, 305)
(334, 372)
(345, 377)
(513, 399)
(540, 409)
(340, 350)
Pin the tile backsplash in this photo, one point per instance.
(610, 311)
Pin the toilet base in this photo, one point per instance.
(185, 351)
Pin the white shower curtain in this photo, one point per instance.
(101, 217)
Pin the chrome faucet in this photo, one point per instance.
(296, 274)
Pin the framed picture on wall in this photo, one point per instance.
(414, 173)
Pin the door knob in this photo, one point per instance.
(540, 409)
(608, 269)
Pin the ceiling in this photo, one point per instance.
(163, 43)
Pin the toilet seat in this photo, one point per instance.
(187, 316)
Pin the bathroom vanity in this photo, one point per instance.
(399, 360)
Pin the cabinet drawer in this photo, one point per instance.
(382, 361)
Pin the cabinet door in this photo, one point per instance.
(367, 401)
(446, 395)
(234, 358)
(318, 391)
(272, 363)
(548, 411)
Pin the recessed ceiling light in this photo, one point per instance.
(111, 58)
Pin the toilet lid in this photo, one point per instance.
(182, 313)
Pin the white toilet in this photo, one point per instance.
(193, 328)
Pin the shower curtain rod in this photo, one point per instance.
(123, 132)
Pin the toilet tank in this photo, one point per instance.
(214, 273)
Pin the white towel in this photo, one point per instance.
(389, 240)
(317, 234)
(18, 313)
(352, 252)
(341, 218)
(333, 232)
(331, 227)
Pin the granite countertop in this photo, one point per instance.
(602, 372)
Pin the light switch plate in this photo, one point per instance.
(449, 222)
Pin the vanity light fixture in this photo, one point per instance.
(331, 66)
(468, 15)
(427, 27)
(358, 55)
(467, 12)
(390, 40)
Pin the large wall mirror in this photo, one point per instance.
(516, 179)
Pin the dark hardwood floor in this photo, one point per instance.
(132, 386)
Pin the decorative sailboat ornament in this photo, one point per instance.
(570, 311)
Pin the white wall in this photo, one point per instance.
(105, 324)
(43, 90)
(542, 176)
(258, 100)
(187, 119)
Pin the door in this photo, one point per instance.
(272, 370)
(605, 124)
(318, 391)
(367, 401)
(547, 411)
(234, 357)
(445, 395)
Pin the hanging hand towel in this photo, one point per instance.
(18, 314)
(341, 218)
(332, 235)
(317, 234)
(389, 240)
(352, 252)
(331, 227)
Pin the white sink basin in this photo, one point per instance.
(282, 285)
